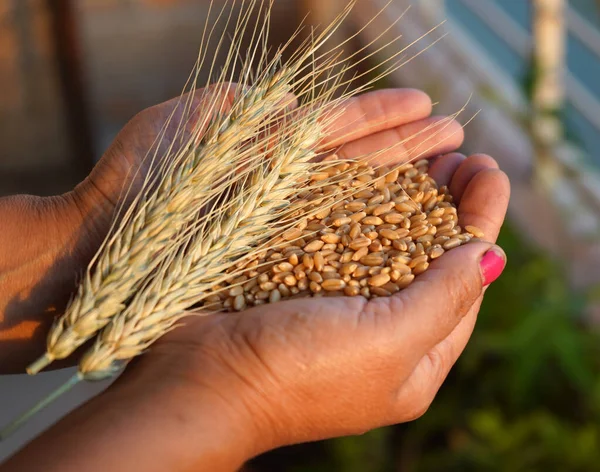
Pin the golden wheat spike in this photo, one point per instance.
(135, 248)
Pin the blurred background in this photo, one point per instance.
(525, 396)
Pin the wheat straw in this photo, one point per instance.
(132, 253)
(125, 268)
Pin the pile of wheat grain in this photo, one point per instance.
(372, 243)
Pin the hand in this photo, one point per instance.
(63, 233)
(305, 370)
(224, 388)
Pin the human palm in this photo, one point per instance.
(319, 368)
(300, 370)
(309, 369)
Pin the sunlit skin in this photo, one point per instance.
(221, 389)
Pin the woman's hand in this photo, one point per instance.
(221, 389)
(311, 369)
(46, 243)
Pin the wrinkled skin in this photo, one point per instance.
(223, 388)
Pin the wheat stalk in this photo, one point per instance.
(208, 251)
(187, 184)
(79, 325)
(132, 253)
(225, 238)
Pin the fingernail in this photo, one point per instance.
(492, 264)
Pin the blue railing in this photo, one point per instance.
(502, 28)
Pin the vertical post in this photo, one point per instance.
(22, 15)
(70, 69)
(549, 44)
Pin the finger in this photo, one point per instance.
(443, 167)
(465, 172)
(419, 140)
(418, 392)
(484, 204)
(485, 201)
(376, 111)
(432, 306)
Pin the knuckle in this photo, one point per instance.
(461, 291)
(378, 311)
(417, 404)
(419, 410)
(417, 396)
(413, 406)
(439, 363)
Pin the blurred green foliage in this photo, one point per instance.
(524, 396)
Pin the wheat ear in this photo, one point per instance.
(156, 308)
(217, 242)
(219, 237)
(132, 252)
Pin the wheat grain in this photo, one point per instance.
(370, 256)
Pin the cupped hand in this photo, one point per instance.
(222, 388)
(310, 369)
(63, 233)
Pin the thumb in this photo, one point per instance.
(433, 305)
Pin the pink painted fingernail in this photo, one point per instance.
(492, 264)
